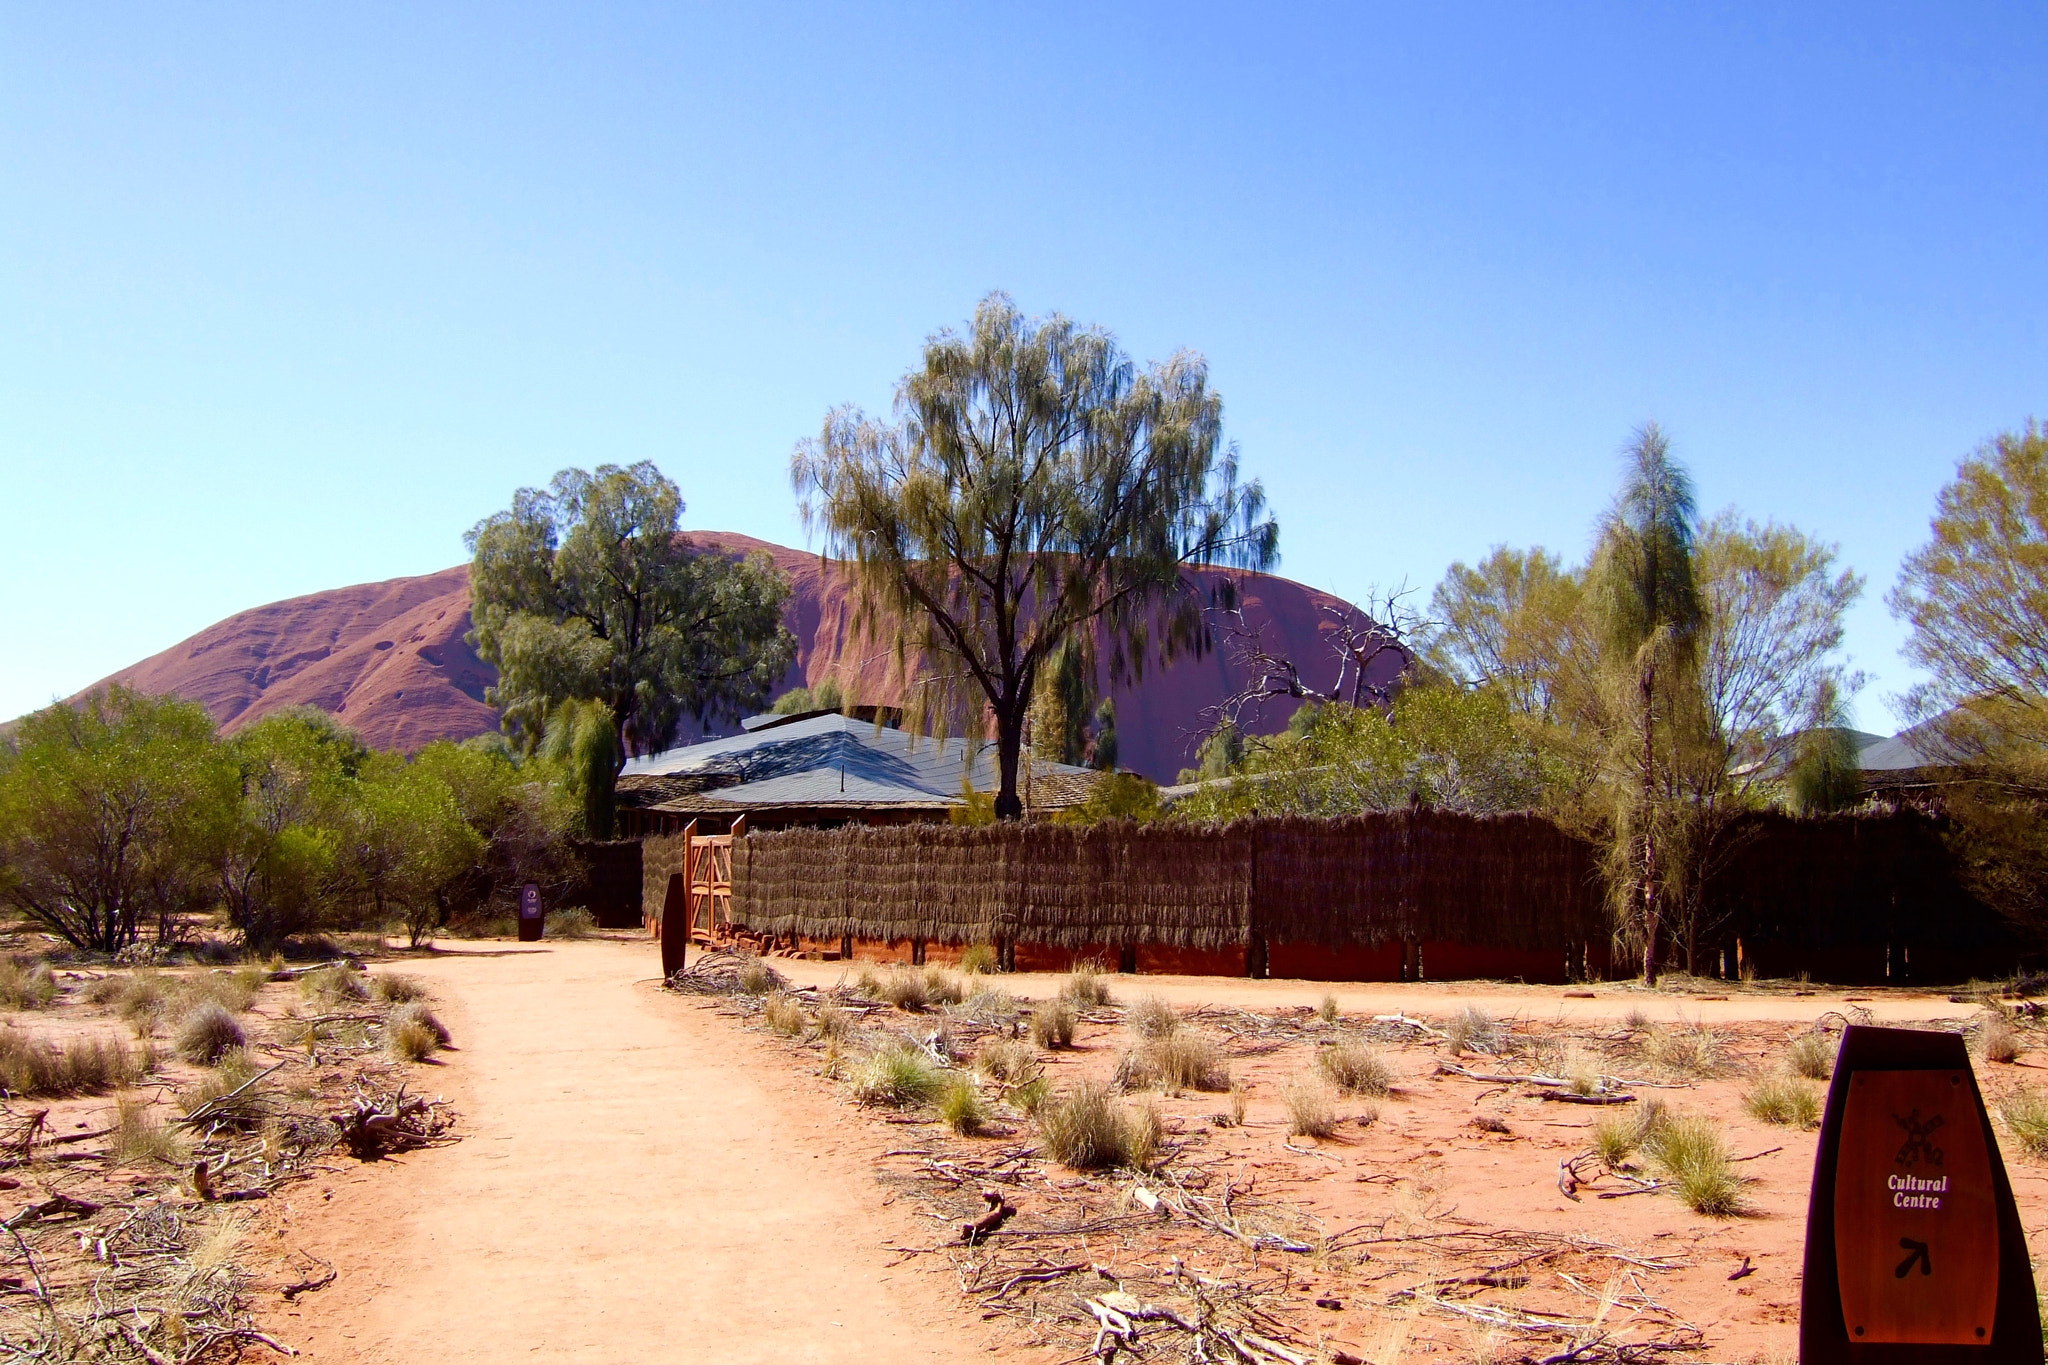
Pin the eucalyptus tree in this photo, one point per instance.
(586, 592)
(1652, 618)
(1036, 488)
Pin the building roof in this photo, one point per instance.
(831, 761)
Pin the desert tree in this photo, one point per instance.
(110, 814)
(585, 591)
(1036, 488)
(281, 866)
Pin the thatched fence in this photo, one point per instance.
(1415, 893)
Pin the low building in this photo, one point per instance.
(825, 769)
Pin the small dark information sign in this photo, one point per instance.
(1914, 1250)
(529, 913)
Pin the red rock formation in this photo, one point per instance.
(389, 659)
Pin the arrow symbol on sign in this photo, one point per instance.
(1919, 1250)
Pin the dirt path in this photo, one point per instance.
(632, 1185)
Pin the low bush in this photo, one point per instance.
(2025, 1112)
(338, 985)
(1356, 1069)
(1087, 1129)
(393, 989)
(943, 986)
(26, 988)
(574, 922)
(978, 960)
(783, 1015)
(1472, 1029)
(904, 987)
(139, 1135)
(1085, 988)
(1784, 1100)
(1311, 1107)
(205, 1032)
(1998, 1041)
(1690, 1151)
(31, 1066)
(960, 1105)
(1152, 1017)
(1053, 1024)
(1811, 1055)
(898, 1073)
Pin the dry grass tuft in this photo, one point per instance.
(979, 960)
(413, 1034)
(34, 1066)
(1176, 1063)
(943, 985)
(1999, 1041)
(834, 1022)
(1152, 1017)
(1053, 1024)
(1691, 1152)
(2025, 1112)
(391, 988)
(898, 1073)
(234, 1070)
(961, 1106)
(1356, 1069)
(905, 988)
(1086, 1129)
(206, 1032)
(1009, 1060)
(1327, 1010)
(1311, 1107)
(783, 1015)
(334, 986)
(1616, 1136)
(1683, 1051)
(233, 991)
(1085, 988)
(26, 988)
(1472, 1029)
(1784, 1100)
(1638, 1020)
(574, 922)
(758, 978)
(139, 1135)
(1811, 1055)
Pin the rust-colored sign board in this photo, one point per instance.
(1913, 1244)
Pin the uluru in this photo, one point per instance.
(390, 659)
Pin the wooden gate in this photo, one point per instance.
(703, 909)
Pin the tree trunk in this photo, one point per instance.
(1009, 747)
(1649, 873)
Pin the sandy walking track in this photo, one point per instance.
(629, 1188)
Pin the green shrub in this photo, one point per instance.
(26, 988)
(1356, 1069)
(898, 1073)
(1086, 1129)
(206, 1032)
(1690, 1151)
(1811, 1055)
(979, 960)
(1152, 1017)
(1053, 1024)
(1785, 1101)
(1085, 988)
(2025, 1112)
(960, 1105)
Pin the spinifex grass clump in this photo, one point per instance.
(960, 1104)
(1784, 1100)
(1053, 1024)
(1311, 1107)
(1811, 1055)
(1087, 1129)
(1152, 1017)
(393, 989)
(206, 1032)
(1684, 1051)
(978, 960)
(758, 978)
(1085, 989)
(898, 1073)
(943, 986)
(834, 1022)
(1692, 1154)
(139, 1135)
(1472, 1029)
(1616, 1136)
(1998, 1040)
(31, 1066)
(905, 988)
(1356, 1069)
(1327, 1010)
(413, 1034)
(782, 1015)
(1009, 1060)
(1180, 1061)
(2025, 1112)
(233, 991)
(30, 987)
(331, 986)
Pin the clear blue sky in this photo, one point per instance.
(290, 296)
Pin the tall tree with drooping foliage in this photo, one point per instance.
(1036, 488)
(586, 591)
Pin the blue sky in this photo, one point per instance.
(290, 298)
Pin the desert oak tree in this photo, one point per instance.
(1036, 488)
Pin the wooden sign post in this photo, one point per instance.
(1914, 1250)
(529, 913)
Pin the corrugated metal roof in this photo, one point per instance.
(833, 759)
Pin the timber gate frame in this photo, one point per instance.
(704, 906)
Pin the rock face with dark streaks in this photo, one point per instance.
(389, 659)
